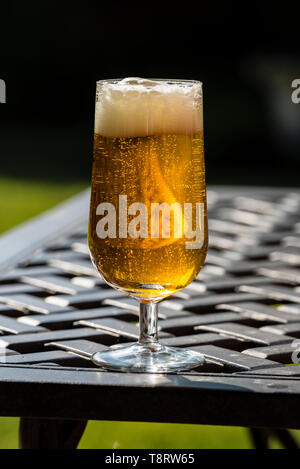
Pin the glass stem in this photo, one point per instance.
(148, 323)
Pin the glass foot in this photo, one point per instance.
(148, 358)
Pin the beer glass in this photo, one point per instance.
(148, 222)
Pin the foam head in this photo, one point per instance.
(137, 107)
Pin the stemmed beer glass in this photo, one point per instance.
(148, 223)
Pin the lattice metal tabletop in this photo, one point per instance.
(242, 312)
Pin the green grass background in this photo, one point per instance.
(22, 199)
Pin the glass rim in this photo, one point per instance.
(171, 81)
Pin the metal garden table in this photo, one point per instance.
(242, 313)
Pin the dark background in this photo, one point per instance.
(246, 54)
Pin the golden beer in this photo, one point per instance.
(163, 167)
(157, 168)
(148, 222)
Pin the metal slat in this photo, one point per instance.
(292, 330)
(18, 288)
(292, 240)
(210, 301)
(44, 257)
(232, 359)
(265, 221)
(16, 274)
(81, 347)
(289, 275)
(252, 334)
(113, 326)
(64, 320)
(260, 312)
(228, 227)
(292, 308)
(83, 267)
(266, 238)
(198, 339)
(280, 353)
(80, 247)
(57, 357)
(256, 205)
(193, 290)
(27, 303)
(88, 282)
(248, 267)
(12, 326)
(186, 325)
(289, 254)
(229, 284)
(274, 292)
(84, 299)
(273, 373)
(6, 310)
(34, 342)
(53, 283)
